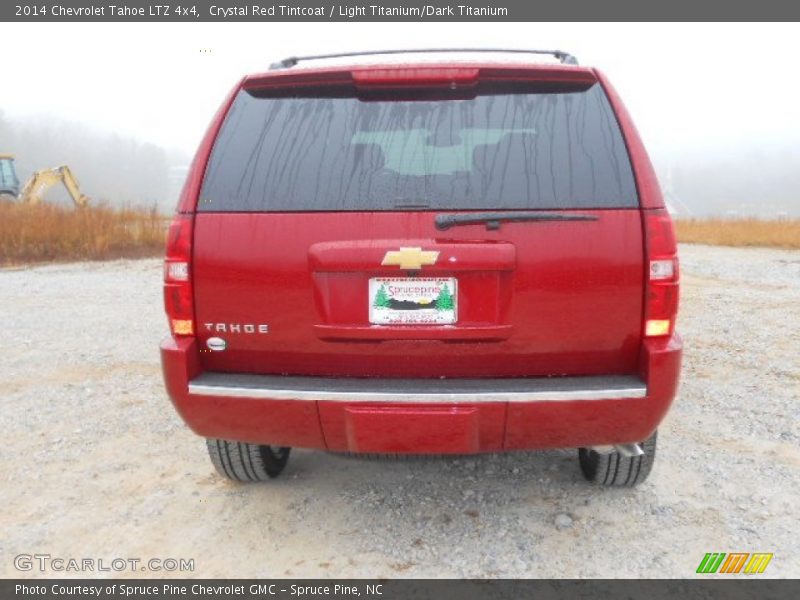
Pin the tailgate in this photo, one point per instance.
(544, 298)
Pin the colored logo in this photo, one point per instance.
(734, 562)
(410, 258)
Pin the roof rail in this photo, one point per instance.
(286, 63)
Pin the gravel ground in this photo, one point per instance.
(97, 464)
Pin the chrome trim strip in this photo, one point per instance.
(200, 389)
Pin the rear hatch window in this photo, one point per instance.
(513, 148)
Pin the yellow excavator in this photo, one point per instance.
(38, 184)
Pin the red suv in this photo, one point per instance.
(423, 258)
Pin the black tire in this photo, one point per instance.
(616, 470)
(240, 461)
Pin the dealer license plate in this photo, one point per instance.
(413, 300)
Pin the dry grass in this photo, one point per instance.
(46, 232)
(43, 233)
(740, 232)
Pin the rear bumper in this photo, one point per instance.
(423, 416)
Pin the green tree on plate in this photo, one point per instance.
(381, 298)
(445, 299)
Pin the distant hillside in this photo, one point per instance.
(110, 168)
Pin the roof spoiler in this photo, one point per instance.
(564, 57)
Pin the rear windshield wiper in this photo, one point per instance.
(493, 219)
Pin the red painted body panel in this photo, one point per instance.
(592, 422)
(286, 423)
(403, 428)
(413, 429)
(547, 298)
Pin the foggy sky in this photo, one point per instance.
(688, 86)
(695, 90)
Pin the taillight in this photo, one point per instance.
(178, 300)
(661, 301)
